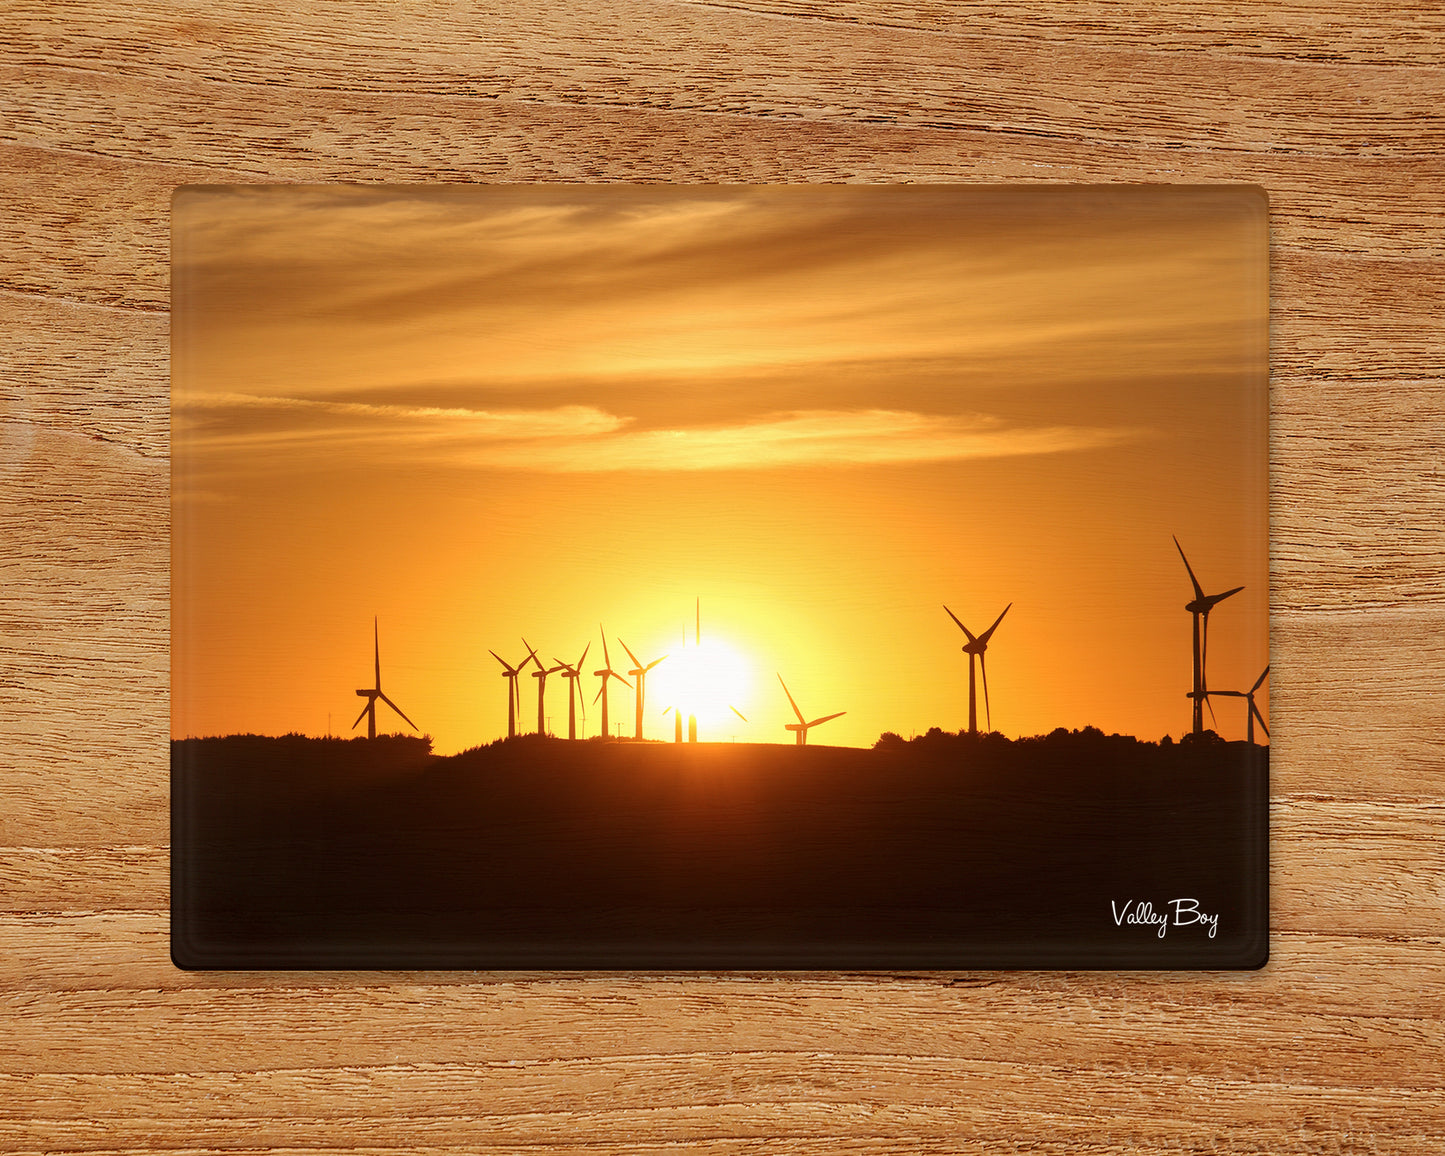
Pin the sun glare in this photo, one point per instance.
(709, 681)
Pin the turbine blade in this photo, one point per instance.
(791, 703)
(498, 657)
(1259, 680)
(606, 658)
(376, 638)
(1215, 599)
(1212, 716)
(983, 669)
(1204, 654)
(583, 659)
(600, 689)
(631, 655)
(531, 655)
(987, 634)
(653, 663)
(362, 715)
(826, 718)
(961, 626)
(1198, 589)
(738, 713)
(1260, 717)
(397, 709)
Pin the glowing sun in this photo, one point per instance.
(710, 681)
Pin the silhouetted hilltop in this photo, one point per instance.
(646, 852)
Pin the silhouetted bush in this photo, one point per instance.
(1202, 739)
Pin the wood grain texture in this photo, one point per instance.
(1334, 107)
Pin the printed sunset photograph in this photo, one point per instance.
(720, 577)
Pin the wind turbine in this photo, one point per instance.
(604, 674)
(540, 674)
(1200, 608)
(1248, 696)
(801, 726)
(572, 674)
(514, 696)
(368, 712)
(639, 672)
(977, 648)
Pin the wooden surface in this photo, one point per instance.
(1336, 1047)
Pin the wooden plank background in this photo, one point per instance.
(1336, 1047)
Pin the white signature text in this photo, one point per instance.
(1176, 913)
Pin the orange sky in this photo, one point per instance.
(486, 412)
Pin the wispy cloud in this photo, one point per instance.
(584, 439)
(813, 438)
(220, 420)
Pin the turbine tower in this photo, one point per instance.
(1200, 608)
(1248, 696)
(604, 674)
(514, 696)
(368, 712)
(639, 672)
(800, 728)
(572, 673)
(976, 648)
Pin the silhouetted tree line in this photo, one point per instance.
(1088, 741)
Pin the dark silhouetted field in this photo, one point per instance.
(943, 852)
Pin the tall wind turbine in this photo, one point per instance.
(800, 728)
(368, 712)
(976, 648)
(604, 674)
(1200, 608)
(1248, 696)
(572, 673)
(540, 674)
(639, 672)
(514, 696)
